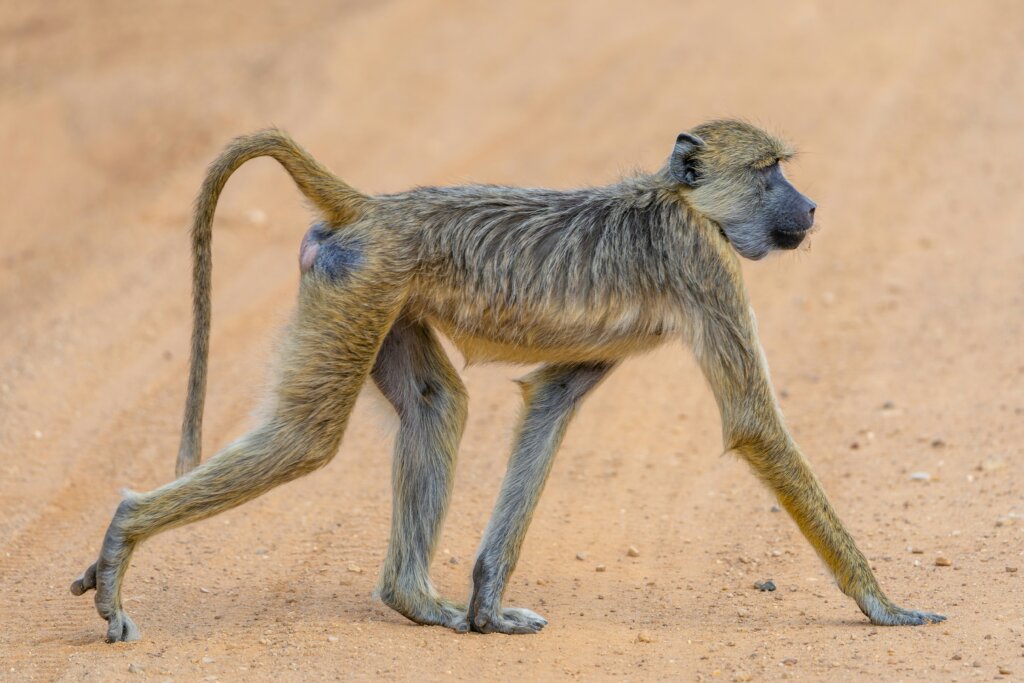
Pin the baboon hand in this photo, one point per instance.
(884, 613)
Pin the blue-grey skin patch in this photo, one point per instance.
(329, 253)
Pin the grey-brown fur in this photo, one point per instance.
(574, 280)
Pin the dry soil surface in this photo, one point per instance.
(895, 340)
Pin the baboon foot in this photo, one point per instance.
(427, 610)
(120, 627)
(887, 614)
(507, 620)
(105, 576)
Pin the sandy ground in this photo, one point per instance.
(895, 339)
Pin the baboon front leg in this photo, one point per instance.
(552, 394)
(415, 375)
(754, 428)
(333, 341)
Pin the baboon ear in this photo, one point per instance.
(681, 165)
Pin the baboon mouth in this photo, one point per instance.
(788, 239)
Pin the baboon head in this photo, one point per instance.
(730, 172)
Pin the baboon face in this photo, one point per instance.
(731, 172)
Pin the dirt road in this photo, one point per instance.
(895, 340)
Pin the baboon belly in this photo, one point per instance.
(517, 341)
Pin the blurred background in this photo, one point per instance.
(894, 337)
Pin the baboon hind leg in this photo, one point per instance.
(327, 358)
(414, 374)
(552, 394)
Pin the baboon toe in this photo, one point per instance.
(86, 582)
(120, 628)
(511, 620)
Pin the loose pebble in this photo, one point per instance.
(775, 508)
(632, 551)
(134, 668)
(1011, 570)
(208, 660)
(956, 658)
(765, 586)
(644, 637)
(991, 464)
(942, 561)
(332, 639)
(789, 661)
(355, 568)
(581, 556)
(256, 216)
(920, 476)
(204, 590)
(1005, 670)
(600, 568)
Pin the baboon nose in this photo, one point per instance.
(811, 206)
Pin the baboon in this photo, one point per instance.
(573, 280)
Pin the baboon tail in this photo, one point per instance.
(339, 203)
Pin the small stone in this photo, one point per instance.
(1011, 570)
(453, 560)
(581, 556)
(888, 405)
(1005, 671)
(956, 658)
(989, 464)
(204, 590)
(938, 443)
(942, 561)
(134, 668)
(332, 639)
(542, 582)
(208, 660)
(644, 637)
(632, 551)
(38, 434)
(600, 568)
(765, 586)
(775, 508)
(743, 612)
(355, 568)
(920, 476)
(789, 661)
(256, 216)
